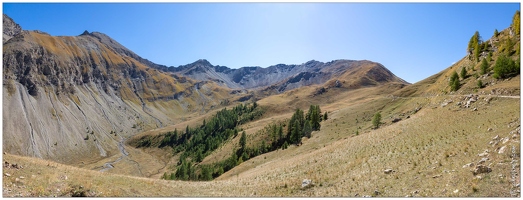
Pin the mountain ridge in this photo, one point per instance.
(88, 93)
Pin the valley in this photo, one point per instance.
(85, 116)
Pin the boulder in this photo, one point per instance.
(306, 183)
(388, 171)
(396, 120)
(468, 165)
(480, 169)
(483, 154)
(502, 149)
(483, 160)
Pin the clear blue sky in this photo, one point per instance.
(414, 41)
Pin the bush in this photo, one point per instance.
(480, 84)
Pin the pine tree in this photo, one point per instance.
(307, 129)
(454, 81)
(516, 23)
(206, 173)
(325, 117)
(296, 133)
(505, 67)
(476, 52)
(315, 117)
(280, 132)
(474, 45)
(496, 33)
(243, 140)
(463, 73)
(182, 172)
(376, 120)
(484, 66)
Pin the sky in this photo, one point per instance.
(413, 40)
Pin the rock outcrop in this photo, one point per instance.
(10, 28)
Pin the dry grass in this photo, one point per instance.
(435, 142)
(418, 149)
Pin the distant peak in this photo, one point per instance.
(85, 33)
(203, 62)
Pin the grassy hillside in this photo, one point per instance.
(427, 158)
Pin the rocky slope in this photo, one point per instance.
(10, 28)
(76, 98)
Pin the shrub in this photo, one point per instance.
(480, 84)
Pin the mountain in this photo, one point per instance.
(77, 99)
(284, 77)
(433, 139)
(67, 97)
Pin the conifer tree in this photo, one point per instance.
(484, 66)
(463, 73)
(243, 140)
(376, 120)
(516, 23)
(307, 129)
(296, 133)
(454, 81)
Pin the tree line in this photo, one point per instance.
(280, 135)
